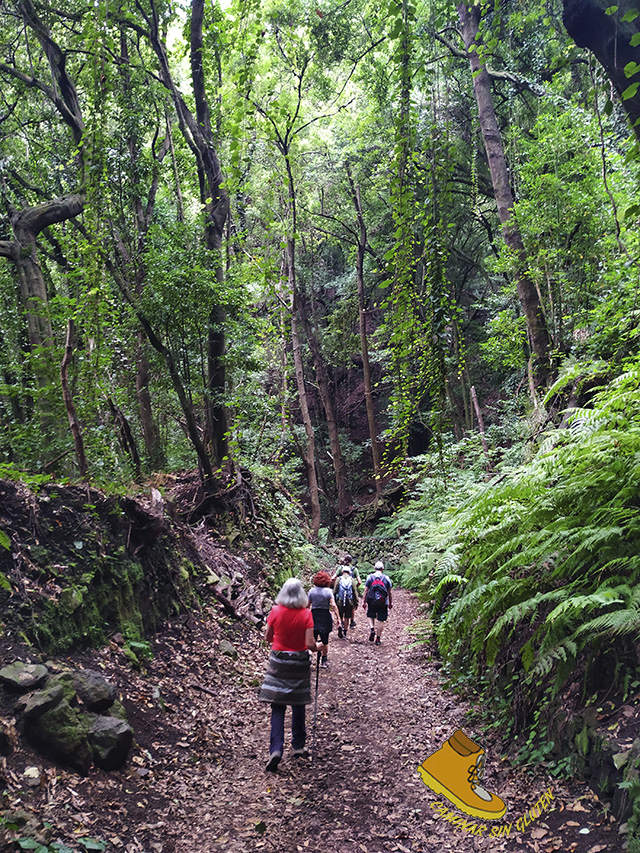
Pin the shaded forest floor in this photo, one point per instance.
(196, 778)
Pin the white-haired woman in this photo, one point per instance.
(288, 677)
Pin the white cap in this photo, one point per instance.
(379, 565)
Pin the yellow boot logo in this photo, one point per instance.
(455, 771)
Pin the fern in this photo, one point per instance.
(565, 651)
(542, 565)
(578, 604)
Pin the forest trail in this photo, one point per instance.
(381, 712)
(196, 780)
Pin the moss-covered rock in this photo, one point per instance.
(94, 690)
(41, 701)
(118, 711)
(110, 741)
(66, 681)
(23, 677)
(62, 734)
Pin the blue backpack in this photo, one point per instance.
(345, 590)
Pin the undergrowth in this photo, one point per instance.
(534, 575)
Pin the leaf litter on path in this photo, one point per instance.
(381, 711)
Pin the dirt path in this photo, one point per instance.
(381, 712)
(196, 780)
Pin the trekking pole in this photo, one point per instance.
(315, 710)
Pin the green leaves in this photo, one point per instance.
(631, 68)
(549, 564)
(93, 844)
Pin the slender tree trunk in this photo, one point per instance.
(309, 456)
(74, 423)
(457, 416)
(198, 134)
(216, 205)
(193, 432)
(142, 213)
(126, 436)
(176, 174)
(150, 431)
(339, 468)
(527, 294)
(463, 373)
(364, 345)
(483, 438)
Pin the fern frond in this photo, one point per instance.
(618, 623)
(564, 651)
(578, 604)
(448, 580)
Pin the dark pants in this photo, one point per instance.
(298, 730)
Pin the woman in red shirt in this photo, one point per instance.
(288, 677)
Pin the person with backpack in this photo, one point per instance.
(345, 591)
(355, 574)
(322, 604)
(377, 601)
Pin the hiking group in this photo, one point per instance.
(300, 622)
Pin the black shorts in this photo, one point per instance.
(322, 624)
(377, 610)
(346, 609)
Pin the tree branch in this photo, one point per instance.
(509, 76)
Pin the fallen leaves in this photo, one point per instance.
(205, 787)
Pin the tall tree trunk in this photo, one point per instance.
(74, 423)
(339, 467)
(309, 455)
(364, 345)
(613, 41)
(150, 431)
(142, 216)
(483, 437)
(198, 134)
(27, 224)
(216, 205)
(527, 294)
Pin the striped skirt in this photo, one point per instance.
(288, 679)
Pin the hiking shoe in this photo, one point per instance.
(272, 763)
(372, 635)
(324, 662)
(340, 632)
(353, 623)
(455, 771)
(301, 752)
(378, 641)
